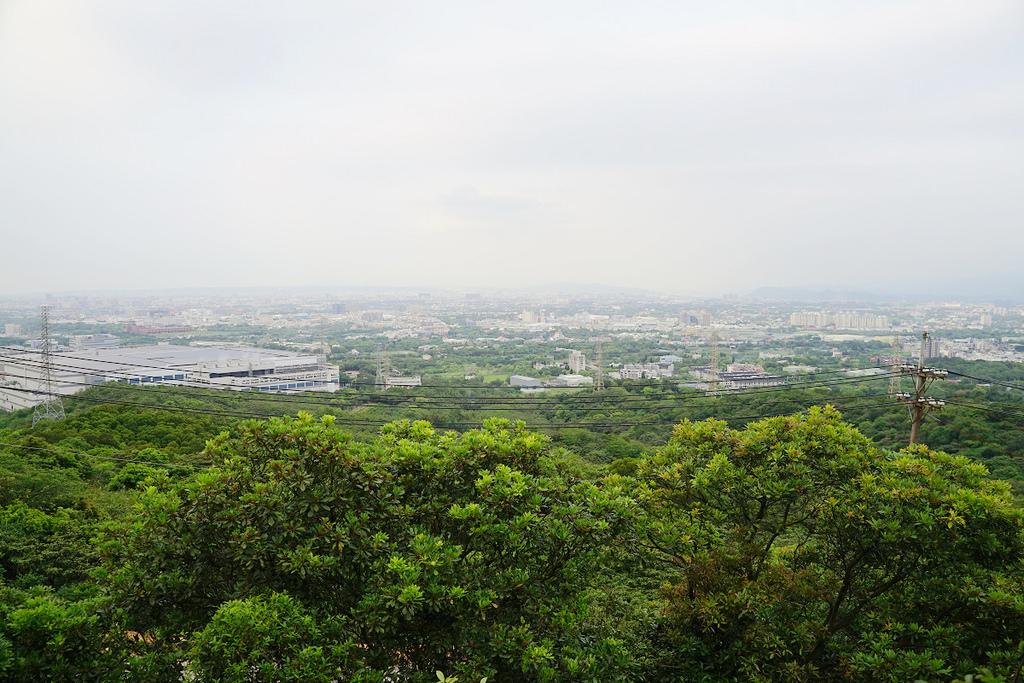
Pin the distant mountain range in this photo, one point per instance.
(1002, 288)
(589, 289)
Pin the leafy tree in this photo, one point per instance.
(808, 554)
(420, 552)
(44, 637)
(131, 476)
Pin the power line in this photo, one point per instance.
(975, 406)
(229, 413)
(150, 367)
(469, 404)
(987, 381)
(519, 402)
(366, 422)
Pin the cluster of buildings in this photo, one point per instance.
(647, 370)
(848, 321)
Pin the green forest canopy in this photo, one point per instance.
(794, 548)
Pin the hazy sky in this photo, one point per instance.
(681, 146)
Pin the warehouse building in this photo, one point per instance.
(738, 379)
(240, 369)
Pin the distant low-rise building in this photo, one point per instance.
(415, 381)
(647, 370)
(157, 329)
(570, 381)
(80, 342)
(737, 380)
(744, 367)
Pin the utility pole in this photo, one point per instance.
(51, 408)
(923, 378)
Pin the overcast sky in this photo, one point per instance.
(678, 146)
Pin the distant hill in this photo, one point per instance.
(588, 289)
(813, 294)
(1003, 288)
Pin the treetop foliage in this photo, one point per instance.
(423, 551)
(794, 548)
(795, 538)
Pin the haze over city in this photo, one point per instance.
(683, 147)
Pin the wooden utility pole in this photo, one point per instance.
(919, 402)
(917, 408)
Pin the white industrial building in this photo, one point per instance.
(240, 369)
(416, 381)
(738, 380)
(570, 381)
(88, 342)
(524, 382)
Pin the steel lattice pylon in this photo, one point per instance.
(51, 408)
(896, 363)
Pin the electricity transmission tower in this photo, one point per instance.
(324, 346)
(51, 408)
(599, 375)
(715, 352)
(381, 382)
(896, 362)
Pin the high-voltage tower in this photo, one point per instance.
(896, 362)
(381, 381)
(715, 357)
(599, 375)
(51, 408)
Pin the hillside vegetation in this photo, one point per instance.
(149, 545)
